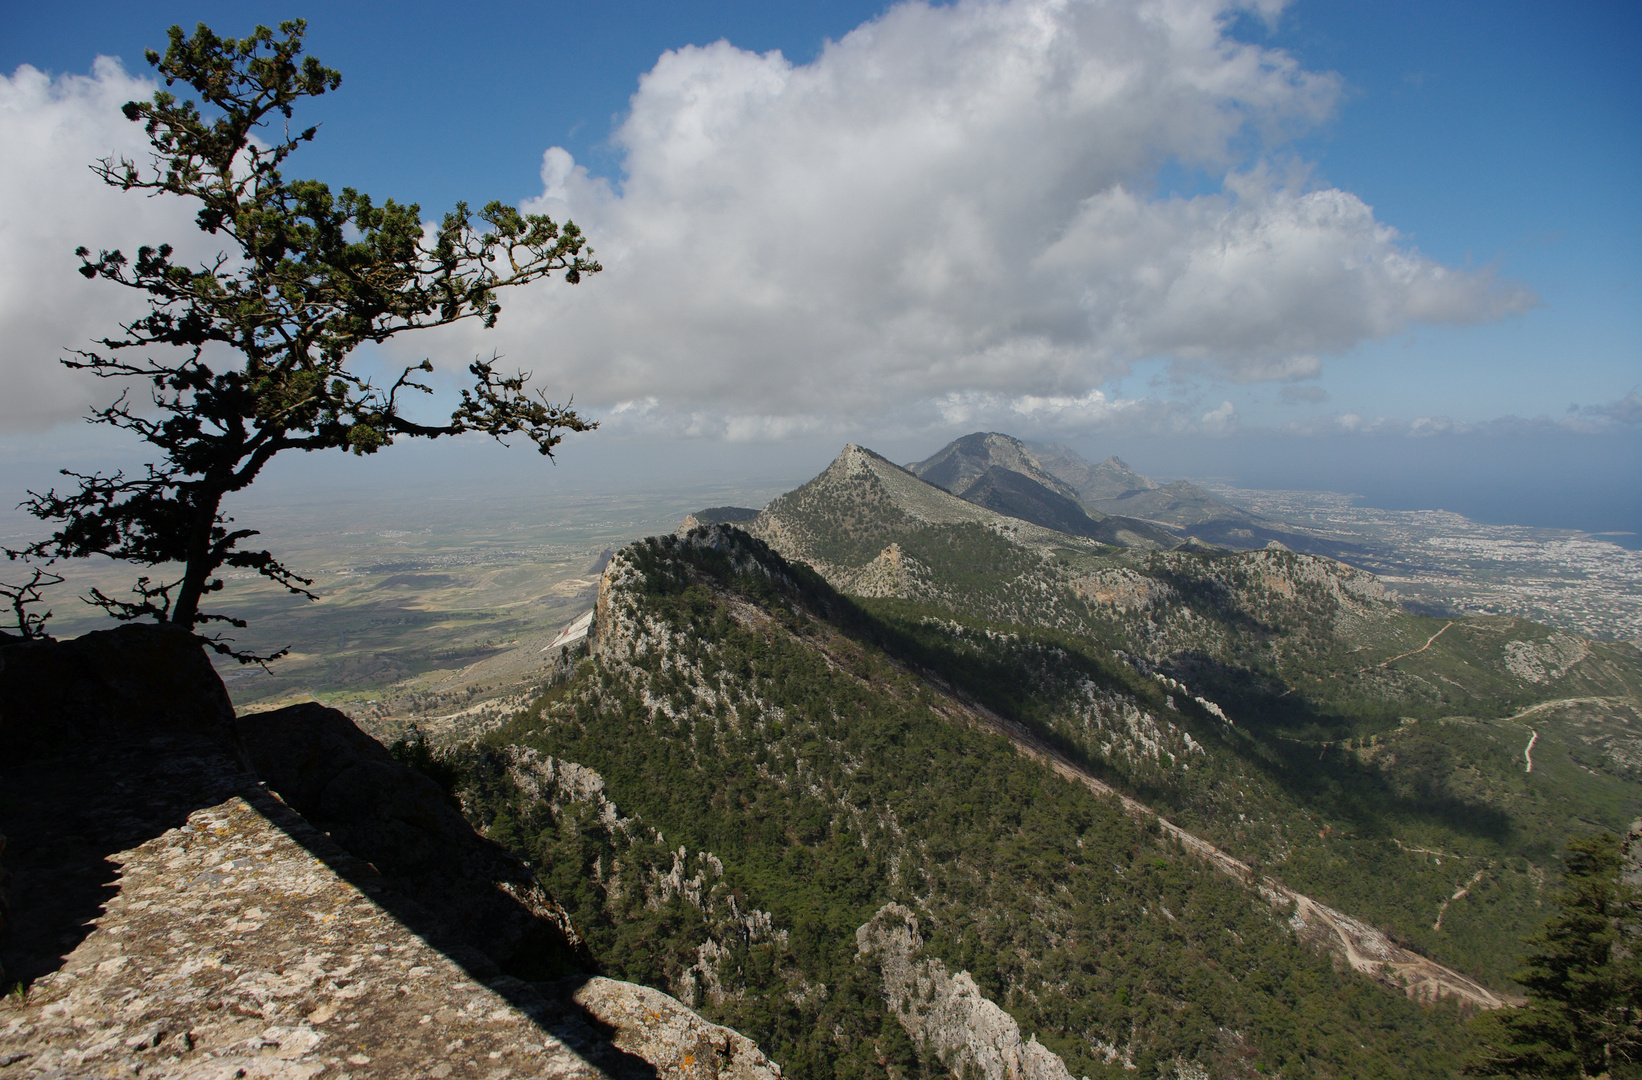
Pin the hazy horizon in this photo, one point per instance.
(1587, 483)
(1286, 245)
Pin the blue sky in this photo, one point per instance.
(1502, 142)
(1503, 133)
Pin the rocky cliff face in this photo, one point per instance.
(947, 1013)
(177, 915)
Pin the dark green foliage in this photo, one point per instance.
(1387, 827)
(247, 356)
(783, 753)
(765, 723)
(1583, 977)
(1374, 762)
(412, 750)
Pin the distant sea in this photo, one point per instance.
(1588, 482)
(1493, 501)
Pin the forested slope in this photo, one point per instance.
(748, 768)
(1369, 757)
(757, 760)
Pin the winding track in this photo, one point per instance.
(1411, 652)
(1533, 734)
(1384, 663)
(1365, 948)
(1460, 892)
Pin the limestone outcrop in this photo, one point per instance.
(175, 915)
(946, 1012)
(347, 784)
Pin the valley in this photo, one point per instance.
(434, 609)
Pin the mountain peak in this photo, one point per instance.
(862, 476)
(961, 463)
(1110, 479)
(855, 457)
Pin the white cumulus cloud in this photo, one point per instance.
(953, 202)
(53, 129)
(950, 205)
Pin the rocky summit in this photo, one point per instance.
(1054, 486)
(1004, 474)
(195, 897)
(962, 462)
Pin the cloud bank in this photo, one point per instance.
(951, 204)
(50, 204)
(1620, 417)
(954, 201)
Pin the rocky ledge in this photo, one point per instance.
(195, 897)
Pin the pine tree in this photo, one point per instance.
(1584, 980)
(248, 356)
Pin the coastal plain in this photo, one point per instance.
(435, 610)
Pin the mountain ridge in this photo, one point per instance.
(1360, 946)
(1296, 649)
(808, 763)
(959, 463)
(1004, 474)
(1104, 480)
(834, 521)
(1148, 513)
(892, 782)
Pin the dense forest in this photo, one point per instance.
(750, 766)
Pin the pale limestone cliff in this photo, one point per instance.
(344, 782)
(233, 949)
(947, 1013)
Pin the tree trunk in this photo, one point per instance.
(201, 560)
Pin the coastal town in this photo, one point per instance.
(1583, 583)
